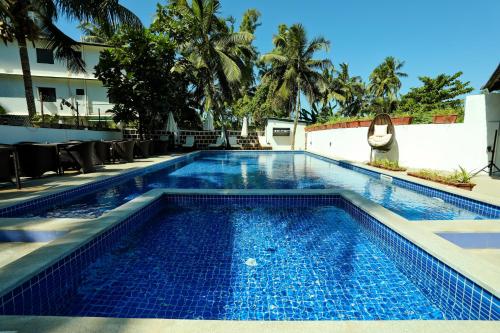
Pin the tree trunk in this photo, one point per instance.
(296, 121)
(28, 83)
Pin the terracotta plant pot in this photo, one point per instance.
(330, 126)
(365, 123)
(402, 120)
(464, 186)
(352, 124)
(342, 125)
(445, 119)
(336, 125)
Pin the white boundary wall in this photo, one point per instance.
(15, 134)
(434, 146)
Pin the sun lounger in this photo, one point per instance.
(233, 143)
(189, 142)
(219, 143)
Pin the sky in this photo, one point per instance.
(430, 36)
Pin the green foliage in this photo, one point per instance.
(387, 164)
(218, 60)
(461, 176)
(293, 69)
(140, 81)
(385, 79)
(250, 21)
(2, 110)
(439, 93)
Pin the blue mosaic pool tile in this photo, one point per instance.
(76, 192)
(457, 296)
(43, 293)
(441, 283)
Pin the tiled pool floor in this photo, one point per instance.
(304, 263)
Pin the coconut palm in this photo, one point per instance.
(214, 53)
(34, 21)
(385, 79)
(351, 91)
(97, 32)
(293, 68)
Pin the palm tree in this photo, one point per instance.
(293, 68)
(214, 53)
(385, 79)
(351, 91)
(34, 21)
(97, 32)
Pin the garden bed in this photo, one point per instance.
(386, 165)
(434, 177)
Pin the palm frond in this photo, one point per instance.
(65, 48)
(231, 69)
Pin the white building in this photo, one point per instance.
(278, 134)
(52, 78)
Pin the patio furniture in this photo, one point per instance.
(9, 166)
(79, 155)
(161, 146)
(189, 142)
(35, 159)
(103, 152)
(263, 144)
(142, 148)
(124, 150)
(233, 143)
(381, 133)
(219, 143)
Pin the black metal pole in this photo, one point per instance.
(77, 116)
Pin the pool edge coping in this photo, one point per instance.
(103, 324)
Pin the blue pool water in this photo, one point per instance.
(245, 262)
(241, 170)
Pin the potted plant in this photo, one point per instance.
(401, 119)
(444, 116)
(386, 164)
(365, 122)
(460, 178)
(352, 123)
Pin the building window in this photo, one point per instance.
(44, 56)
(80, 92)
(47, 94)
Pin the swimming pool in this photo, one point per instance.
(251, 258)
(272, 170)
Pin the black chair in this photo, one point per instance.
(83, 154)
(102, 152)
(9, 165)
(142, 148)
(124, 150)
(35, 159)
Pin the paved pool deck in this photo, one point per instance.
(16, 263)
